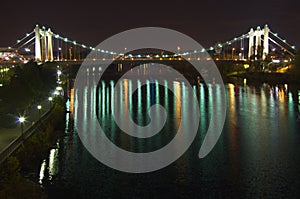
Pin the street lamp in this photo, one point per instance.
(125, 49)
(233, 49)
(50, 99)
(59, 72)
(39, 107)
(21, 120)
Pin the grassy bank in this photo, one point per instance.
(28, 157)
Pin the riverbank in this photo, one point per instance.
(16, 177)
(267, 77)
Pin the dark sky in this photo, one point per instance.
(91, 22)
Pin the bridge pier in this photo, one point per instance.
(251, 43)
(44, 45)
(49, 46)
(38, 54)
(254, 48)
(44, 50)
(258, 40)
(266, 42)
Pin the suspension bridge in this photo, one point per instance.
(42, 44)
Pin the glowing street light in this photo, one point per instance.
(233, 49)
(55, 93)
(50, 99)
(59, 72)
(39, 107)
(21, 120)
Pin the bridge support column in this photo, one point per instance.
(258, 41)
(49, 46)
(44, 45)
(251, 43)
(266, 42)
(37, 43)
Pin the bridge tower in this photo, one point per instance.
(38, 53)
(257, 40)
(255, 47)
(251, 43)
(49, 46)
(266, 42)
(43, 44)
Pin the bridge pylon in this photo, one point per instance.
(44, 50)
(38, 52)
(254, 47)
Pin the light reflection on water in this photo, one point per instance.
(257, 154)
(49, 167)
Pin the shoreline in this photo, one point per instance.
(266, 77)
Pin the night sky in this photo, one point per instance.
(91, 22)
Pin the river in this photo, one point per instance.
(256, 156)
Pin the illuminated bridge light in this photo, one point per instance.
(195, 51)
(293, 47)
(74, 42)
(65, 39)
(203, 50)
(83, 46)
(56, 36)
(102, 51)
(18, 41)
(106, 51)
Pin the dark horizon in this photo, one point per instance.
(207, 22)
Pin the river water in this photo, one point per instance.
(257, 154)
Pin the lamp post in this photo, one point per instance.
(50, 99)
(21, 120)
(125, 49)
(178, 50)
(39, 107)
(233, 49)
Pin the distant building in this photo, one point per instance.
(12, 54)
